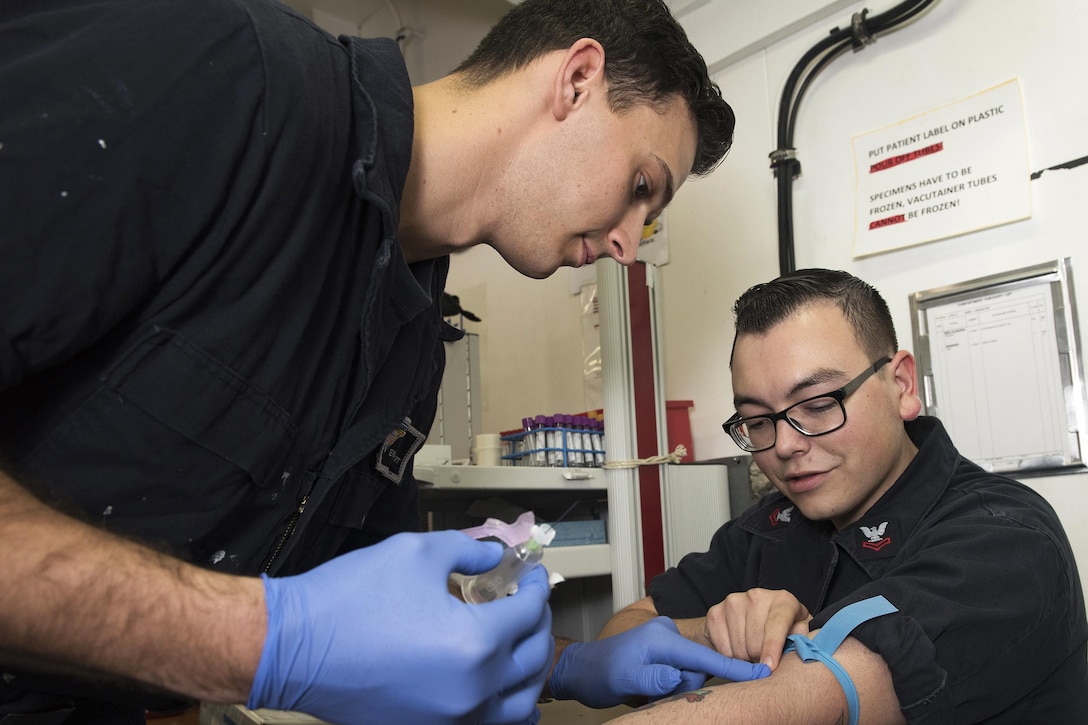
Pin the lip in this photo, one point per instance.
(805, 481)
(588, 257)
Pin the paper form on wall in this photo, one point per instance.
(997, 384)
(949, 171)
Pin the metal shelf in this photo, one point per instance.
(516, 478)
(570, 561)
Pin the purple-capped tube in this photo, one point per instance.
(577, 441)
(540, 442)
(598, 442)
(552, 439)
(524, 443)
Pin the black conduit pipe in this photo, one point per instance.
(857, 36)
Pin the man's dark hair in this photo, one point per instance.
(765, 305)
(648, 60)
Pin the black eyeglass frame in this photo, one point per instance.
(839, 396)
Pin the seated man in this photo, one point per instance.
(980, 609)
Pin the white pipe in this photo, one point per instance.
(624, 515)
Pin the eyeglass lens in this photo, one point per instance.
(812, 417)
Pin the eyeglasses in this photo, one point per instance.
(812, 417)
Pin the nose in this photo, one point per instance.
(624, 238)
(788, 440)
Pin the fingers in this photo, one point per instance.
(656, 681)
(684, 654)
(689, 681)
(692, 656)
(516, 617)
(741, 671)
(753, 625)
(531, 658)
(725, 630)
(516, 701)
(781, 621)
(667, 645)
(734, 671)
(522, 682)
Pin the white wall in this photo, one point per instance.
(441, 33)
(530, 339)
(723, 228)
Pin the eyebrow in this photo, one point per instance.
(816, 377)
(669, 190)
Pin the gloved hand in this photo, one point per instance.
(651, 660)
(374, 636)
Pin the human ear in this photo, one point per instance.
(904, 369)
(581, 70)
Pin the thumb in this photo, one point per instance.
(469, 556)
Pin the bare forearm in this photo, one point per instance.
(628, 618)
(737, 703)
(643, 611)
(797, 692)
(75, 598)
(695, 630)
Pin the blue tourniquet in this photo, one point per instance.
(828, 639)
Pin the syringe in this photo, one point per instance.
(503, 579)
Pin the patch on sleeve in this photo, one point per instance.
(398, 448)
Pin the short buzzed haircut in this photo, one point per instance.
(765, 305)
(648, 60)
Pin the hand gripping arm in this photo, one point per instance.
(651, 660)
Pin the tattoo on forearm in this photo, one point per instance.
(693, 696)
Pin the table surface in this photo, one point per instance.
(189, 717)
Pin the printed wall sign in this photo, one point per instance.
(945, 172)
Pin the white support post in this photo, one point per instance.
(624, 515)
(657, 321)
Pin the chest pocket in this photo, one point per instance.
(167, 446)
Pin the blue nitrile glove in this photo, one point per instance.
(652, 660)
(374, 636)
